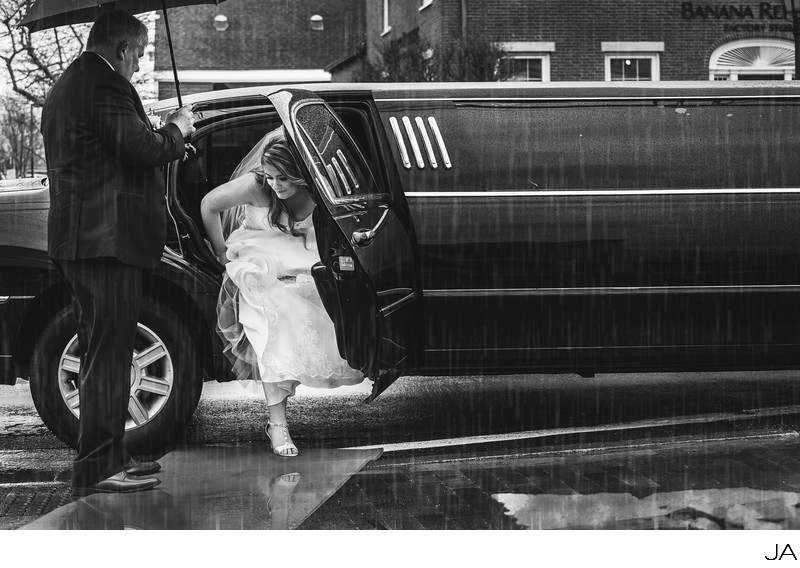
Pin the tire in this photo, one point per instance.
(166, 378)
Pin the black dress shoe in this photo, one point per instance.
(118, 483)
(135, 467)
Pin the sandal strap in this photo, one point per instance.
(283, 449)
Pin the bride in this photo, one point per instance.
(269, 312)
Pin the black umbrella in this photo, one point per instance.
(45, 14)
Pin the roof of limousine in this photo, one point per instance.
(384, 91)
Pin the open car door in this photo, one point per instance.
(368, 274)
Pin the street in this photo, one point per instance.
(699, 450)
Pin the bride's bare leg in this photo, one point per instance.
(278, 427)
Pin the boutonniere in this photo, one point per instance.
(155, 119)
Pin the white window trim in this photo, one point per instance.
(632, 46)
(527, 46)
(386, 27)
(255, 76)
(733, 73)
(425, 4)
(545, 57)
(653, 57)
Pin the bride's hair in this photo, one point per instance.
(277, 154)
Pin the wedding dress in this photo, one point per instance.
(270, 314)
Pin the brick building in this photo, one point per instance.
(596, 40)
(247, 42)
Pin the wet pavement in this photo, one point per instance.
(735, 483)
(736, 468)
(750, 481)
(219, 488)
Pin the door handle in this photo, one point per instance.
(363, 238)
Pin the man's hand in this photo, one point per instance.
(183, 118)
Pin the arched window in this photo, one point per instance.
(752, 59)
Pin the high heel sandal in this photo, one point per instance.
(287, 450)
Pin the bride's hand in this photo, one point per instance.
(221, 257)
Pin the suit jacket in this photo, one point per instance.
(105, 167)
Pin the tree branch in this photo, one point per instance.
(34, 61)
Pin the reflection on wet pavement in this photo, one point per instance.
(219, 488)
(747, 481)
(736, 508)
(735, 483)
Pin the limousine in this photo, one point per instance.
(465, 228)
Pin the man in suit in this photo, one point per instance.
(107, 224)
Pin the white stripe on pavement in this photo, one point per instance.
(33, 483)
(532, 434)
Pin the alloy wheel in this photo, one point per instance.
(152, 377)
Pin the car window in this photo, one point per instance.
(333, 159)
(221, 150)
(218, 151)
(524, 146)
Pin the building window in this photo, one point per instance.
(527, 67)
(631, 67)
(424, 3)
(632, 60)
(526, 60)
(753, 59)
(386, 27)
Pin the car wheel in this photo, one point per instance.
(166, 378)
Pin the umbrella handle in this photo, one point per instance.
(171, 53)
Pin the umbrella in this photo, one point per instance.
(45, 14)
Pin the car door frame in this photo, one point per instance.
(376, 271)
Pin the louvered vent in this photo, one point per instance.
(424, 140)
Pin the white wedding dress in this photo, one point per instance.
(270, 314)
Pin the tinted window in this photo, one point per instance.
(592, 146)
(219, 151)
(338, 170)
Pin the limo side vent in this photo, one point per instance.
(414, 144)
(427, 142)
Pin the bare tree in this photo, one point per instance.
(406, 59)
(20, 142)
(473, 59)
(34, 61)
(412, 58)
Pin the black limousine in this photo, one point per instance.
(466, 228)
